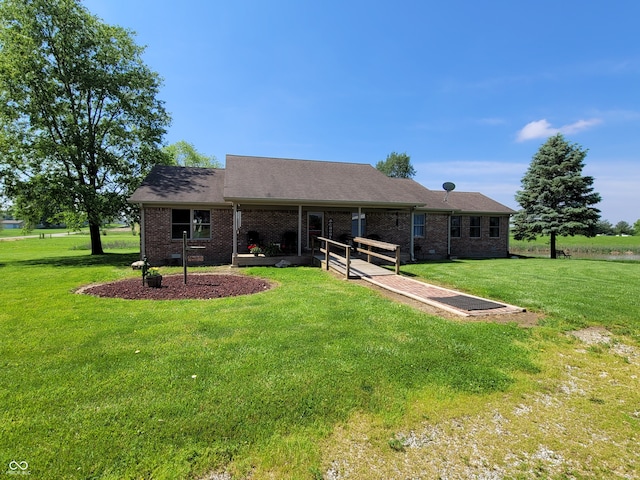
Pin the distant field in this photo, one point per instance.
(18, 232)
(601, 245)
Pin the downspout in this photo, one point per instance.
(143, 249)
(411, 243)
(234, 250)
(449, 235)
(508, 234)
(299, 230)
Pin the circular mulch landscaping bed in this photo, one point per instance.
(200, 286)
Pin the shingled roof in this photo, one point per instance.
(461, 202)
(274, 181)
(279, 180)
(171, 184)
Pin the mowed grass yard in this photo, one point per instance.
(315, 378)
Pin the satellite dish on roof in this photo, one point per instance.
(448, 187)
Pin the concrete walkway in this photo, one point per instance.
(452, 301)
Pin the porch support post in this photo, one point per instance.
(299, 230)
(235, 233)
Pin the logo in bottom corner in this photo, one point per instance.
(18, 468)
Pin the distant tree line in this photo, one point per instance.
(604, 227)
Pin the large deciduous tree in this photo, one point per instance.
(184, 154)
(556, 198)
(397, 165)
(80, 124)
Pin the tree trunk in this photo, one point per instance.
(552, 243)
(96, 241)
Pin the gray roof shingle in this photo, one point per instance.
(288, 181)
(171, 184)
(279, 180)
(462, 202)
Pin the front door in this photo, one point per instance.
(315, 226)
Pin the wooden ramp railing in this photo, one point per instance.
(381, 245)
(326, 245)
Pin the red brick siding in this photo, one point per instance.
(159, 246)
(270, 225)
(392, 227)
(483, 246)
(341, 225)
(434, 244)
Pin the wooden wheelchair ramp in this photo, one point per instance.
(444, 298)
(358, 268)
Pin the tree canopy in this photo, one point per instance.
(397, 165)
(556, 199)
(623, 228)
(184, 154)
(80, 124)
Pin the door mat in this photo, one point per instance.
(467, 303)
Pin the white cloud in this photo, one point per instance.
(543, 129)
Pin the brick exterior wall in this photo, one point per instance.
(271, 224)
(391, 227)
(159, 246)
(483, 246)
(433, 246)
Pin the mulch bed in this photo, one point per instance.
(200, 286)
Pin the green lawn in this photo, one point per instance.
(571, 293)
(107, 388)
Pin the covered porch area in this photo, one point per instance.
(268, 234)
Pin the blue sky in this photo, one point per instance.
(468, 89)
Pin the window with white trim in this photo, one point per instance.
(197, 223)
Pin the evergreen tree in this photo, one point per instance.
(556, 199)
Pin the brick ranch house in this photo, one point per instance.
(288, 202)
